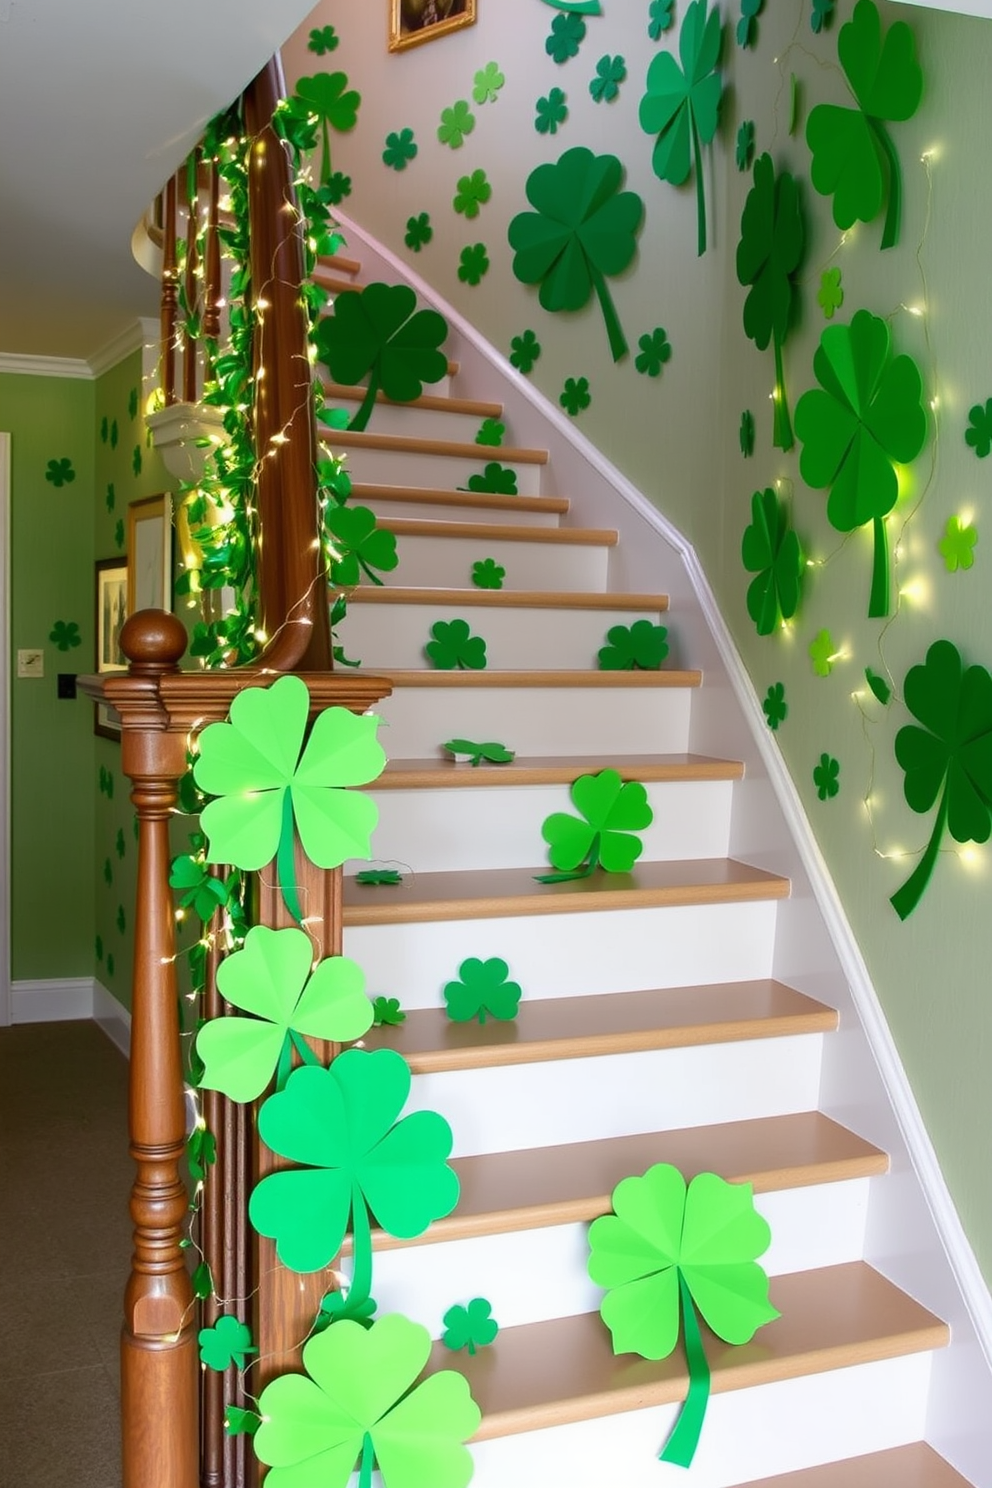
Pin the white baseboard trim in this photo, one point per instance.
(112, 1017)
(68, 999)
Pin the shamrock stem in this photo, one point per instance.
(782, 439)
(373, 578)
(893, 212)
(878, 599)
(361, 418)
(681, 1445)
(361, 1249)
(700, 195)
(325, 164)
(368, 1462)
(285, 860)
(905, 900)
(285, 1065)
(584, 870)
(614, 330)
(303, 1048)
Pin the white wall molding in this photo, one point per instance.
(141, 333)
(45, 366)
(114, 1019)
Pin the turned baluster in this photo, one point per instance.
(170, 289)
(211, 287)
(190, 282)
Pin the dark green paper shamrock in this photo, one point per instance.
(659, 18)
(472, 1327)
(492, 752)
(108, 872)
(386, 1012)
(776, 709)
(655, 351)
(484, 988)
(121, 919)
(826, 777)
(524, 351)
(603, 837)
(979, 433)
(199, 890)
(111, 498)
(378, 332)
(119, 533)
(227, 1342)
(575, 395)
(202, 1282)
(491, 433)
(642, 646)
(820, 15)
(136, 460)
(550, 112)
(104, 428)
(769, 254)
(110, 963)
(610, 73)
(495, 479)
(567, 34)
(473, 264)
(338, 186)
(335, 105)
(65, 635)
(400, 149)
(418, 232)
(487, 574)
(360, 544)
(323, 39)
(454, 647)
(456, 122)
(379, 877)
(746, 27)
(744, 148)
(239, 1422)
(473, 192)
(113, 434)
(879, 686)
(60, 472)
(746, 434)
(770, 549)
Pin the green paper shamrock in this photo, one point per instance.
(854, 160)
(201, 1152)
(664, 1251)
(949, 757)
(360, 545)
(656, 350)
(104, 428)
(473, 264)
(642, 646)
(60, 472)
(98, 947)
(202, 1282)
(775, 707)
(110, 963)
(266, 780)
(495, 479)
(550, 112)
(386, 1011)
(878, 685)
(575, 395)
(491, 432)
(524, 351)
(979, 435)
(108, 872)
(820, 15)
(567, 34)
(378, 332)
(957, 546)
(377, 877)
(794, 97)
(199, 890)
(744, 147)
(659, 18)
(111, 497)
(418, 232)
(472, 1327)
(822, 653)
(343, 1123)
(121, 919)
(602, 837)
(400, 150)
(492, 752)
(106, 783)
(746, 434)
(487, 574)
(484, 988)
(830, 295)
(338, 186)
(826, 777)
(610, 73)
(583, 229)
(770, 549)
(136, 459)
(473, 192)
(271, 979)
(682, 106)
(328, 96)
(487, 83)
(866, 417)
(456, 122)
(238, 1422)
(227, 1342)
(769, 254)
(454, 647)
(119, 533)
(113, 434)
(65, 635)
(746, 26)
(324, 39)
(359, 1404)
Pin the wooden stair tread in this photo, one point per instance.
(914, 1466)
(433, 401)
(573, 1184)
(333, 283)
(606, 1023)
(581, 537)
(492, 893)
(401, 774)
(555, 1373)
(474, 500)
(332, 261)
(523, 599)
(573, 677)
(507, 455)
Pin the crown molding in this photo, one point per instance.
(138, 334)
(44, 366)
(131, 338)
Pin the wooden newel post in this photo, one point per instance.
(159, 1355)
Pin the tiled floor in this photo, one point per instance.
(65, 1243)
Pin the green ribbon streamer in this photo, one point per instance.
(585, 871)
(681, 1445)
(893, 213)
(614, 330)
(905, 900)
(782, 437)
(368, 1462)
(285, 865)
(878, 599)
(700, 194)
(577, 7)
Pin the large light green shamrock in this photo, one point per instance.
(866, 417)
(949, 757)
(603, 836)
(358, 545)
(343, 1123)
(270, 978)
(583, 228)
(266, 779)
(770, 549)
(357, 1406)
(854, 160)
(666, 1245)
(682, 105)
(379, 333)
(327, 96)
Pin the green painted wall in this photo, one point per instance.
(676, 436)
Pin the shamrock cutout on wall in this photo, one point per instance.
(655, 351)
(642, 646)
(770, 549)
(418, 232)
(487, 83)
(957, 546)
(610, 73)
(473, 264)
(472, 1327)
(491, 432)
(747, 28)
(822, 653)
(400, 149)
(60, 472)
(456, 122)
(879, 686)
(746, 434)
(524, 351)
(473, 192)
(378, 332)
(744, 146)
(484, 988)
(550, 112)
(567, 34)
(65, 635)
(826, 777)
(335, 105)
(453, 647)
(323, 39)
(820, 15)
(359, 545)
(776, 709)
(575, 395)
(660, 18)
(830, 295)
(979, 432)
(602, 836)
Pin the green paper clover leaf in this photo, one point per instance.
(238, 1422)
(111, 498)
(746, 434)
(487, 83)
(668, 1249)
(113, 434)
(227, 1342)
(610, 73)
(603, 834)
(271, 979)
(487, 574)
(323, 39)
(866, 417)
(746, 27)
(338, 186)
(567, 34)
(119, 533)
(854, 159)
(359, 545)
(202, 1282)
(418, 232)
(121, 919)
(820, 15)
(377, 877)
(360, 1158)
(822, 653)
(491, 432)
(199, 889)
(744, 147)
(378, 332)
(136, 459)
(473, 192)
(456, 122)
(582, 230)
(484, 988)
(491, 751)
(830, 295)
(826, 777)
(660, 18)
(769, 254)
(472, 1327)
(327, 96)
(110, 962)
(386, 1011)
(65, 635)
(879, 686)
(550, 112)
(979, 435)
(400, 150)
(106, 783)
(108, 872)
(454, 647)
(360, 1402)
(60, 472)
(949, 757)
(495, 479)
(776, 709)
(642, 646)
(957, 546)
(524, 351)
(655, 351)
(682, 105)
(98, 947)
(770, 549)
(575, 395)
(473, 264)
(104, 428)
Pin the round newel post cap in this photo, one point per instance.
(153, 641)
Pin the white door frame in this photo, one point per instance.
(6, 1002)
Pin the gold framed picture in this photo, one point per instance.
(412, 22)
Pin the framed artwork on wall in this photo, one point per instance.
(110, 593)
(149, 554)
(414, 21)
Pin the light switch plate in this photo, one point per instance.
(31, 663)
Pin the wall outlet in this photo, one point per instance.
(31, 663)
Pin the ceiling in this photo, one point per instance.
(99, 101)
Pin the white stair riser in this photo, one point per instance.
(538, 721)
(571, 955)
(440, 389)
(394, 635)
(403, 467)
(500, 827)
(535, 1275)
(617, 1095)
(446, 563)
(434, 511)
(423, 423)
